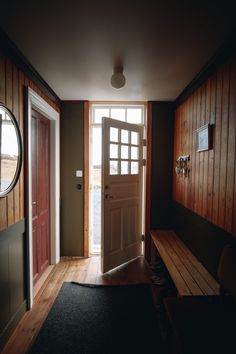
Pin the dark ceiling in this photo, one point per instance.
(74, 45)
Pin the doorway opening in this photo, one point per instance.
(40, 105)
(126, 112)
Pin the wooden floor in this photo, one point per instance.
(84, 270)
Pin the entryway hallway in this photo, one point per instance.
(84, 270)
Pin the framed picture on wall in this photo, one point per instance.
(204, 138)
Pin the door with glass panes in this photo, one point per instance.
(122, 175)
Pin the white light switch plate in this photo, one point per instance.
(79, 173)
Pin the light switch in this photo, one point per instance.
(79, 173)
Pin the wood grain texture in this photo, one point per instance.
(86, 270)
(148, 183)
(86, 179)
(12, 85)
(15, 109)
(9, 93)
(22, 129)
(217, 146)
(231, 153)
(3, 201)
(224, 146)
(210, 174)
(210, 189)
(188, 274)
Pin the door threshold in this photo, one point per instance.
(42, 279)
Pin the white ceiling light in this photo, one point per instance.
(118, 79)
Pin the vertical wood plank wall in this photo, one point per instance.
(210, 189)
(12, 83)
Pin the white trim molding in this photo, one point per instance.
(40, 105)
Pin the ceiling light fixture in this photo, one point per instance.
(118, 78)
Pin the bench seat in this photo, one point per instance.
(188, 274)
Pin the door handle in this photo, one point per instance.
(34, 203)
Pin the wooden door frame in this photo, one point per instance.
(40, 105)
(148, 183)
(86, 179)
(147, 173)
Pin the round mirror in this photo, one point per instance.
(10, 151)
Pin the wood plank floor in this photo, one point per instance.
(84, 270)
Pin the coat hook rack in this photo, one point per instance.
(182, 168)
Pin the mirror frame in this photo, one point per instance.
(19, 162)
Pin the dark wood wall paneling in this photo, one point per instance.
(12, 84)
(210, 189)
(202, 237)
(11, 51)
(12, 208)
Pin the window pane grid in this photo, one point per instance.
(125, 149)
(119, 167)
(124, 157)
(127, 113)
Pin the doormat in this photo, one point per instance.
(101, 319)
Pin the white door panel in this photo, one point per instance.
(121, 192)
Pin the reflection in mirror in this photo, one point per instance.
(10, 151)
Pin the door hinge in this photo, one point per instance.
(143, 162)
(144, 142)
(142, 237)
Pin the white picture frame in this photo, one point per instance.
(203, 138)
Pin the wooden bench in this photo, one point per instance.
(187, 273)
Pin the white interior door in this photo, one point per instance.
(122, 175)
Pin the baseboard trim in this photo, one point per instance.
(42, 279)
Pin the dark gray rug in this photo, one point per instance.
(100, 319)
